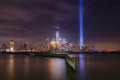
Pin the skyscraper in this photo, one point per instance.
(12, 49)
(57, 37)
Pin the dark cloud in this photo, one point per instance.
(102, 18)
(33, 18)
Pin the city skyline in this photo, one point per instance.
(35, 20)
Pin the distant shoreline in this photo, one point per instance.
(60, 53)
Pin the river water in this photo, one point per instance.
(89, 67)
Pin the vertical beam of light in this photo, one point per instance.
(81, 22)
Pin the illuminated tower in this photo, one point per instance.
(12, 46)
(81, 23)
(47, 43)
(64, 41)
(57, 35)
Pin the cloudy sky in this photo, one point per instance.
(35, 20)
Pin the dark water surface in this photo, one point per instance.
(98, 67)
(89, 67)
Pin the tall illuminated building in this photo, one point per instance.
(47, 44)
(57, 37)
(64, 41)
(12, 47)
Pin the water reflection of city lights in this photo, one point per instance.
(57, 68)
(11, 67)
(82, 66)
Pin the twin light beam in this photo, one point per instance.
(81, 23)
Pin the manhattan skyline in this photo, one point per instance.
(35, 21)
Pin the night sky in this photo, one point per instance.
(35, 21)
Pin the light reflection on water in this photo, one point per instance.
(97, 66)
(82, 66)
(89, 67)
(26, 65)
(11, 67)
(58, 69)
(20, 67)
